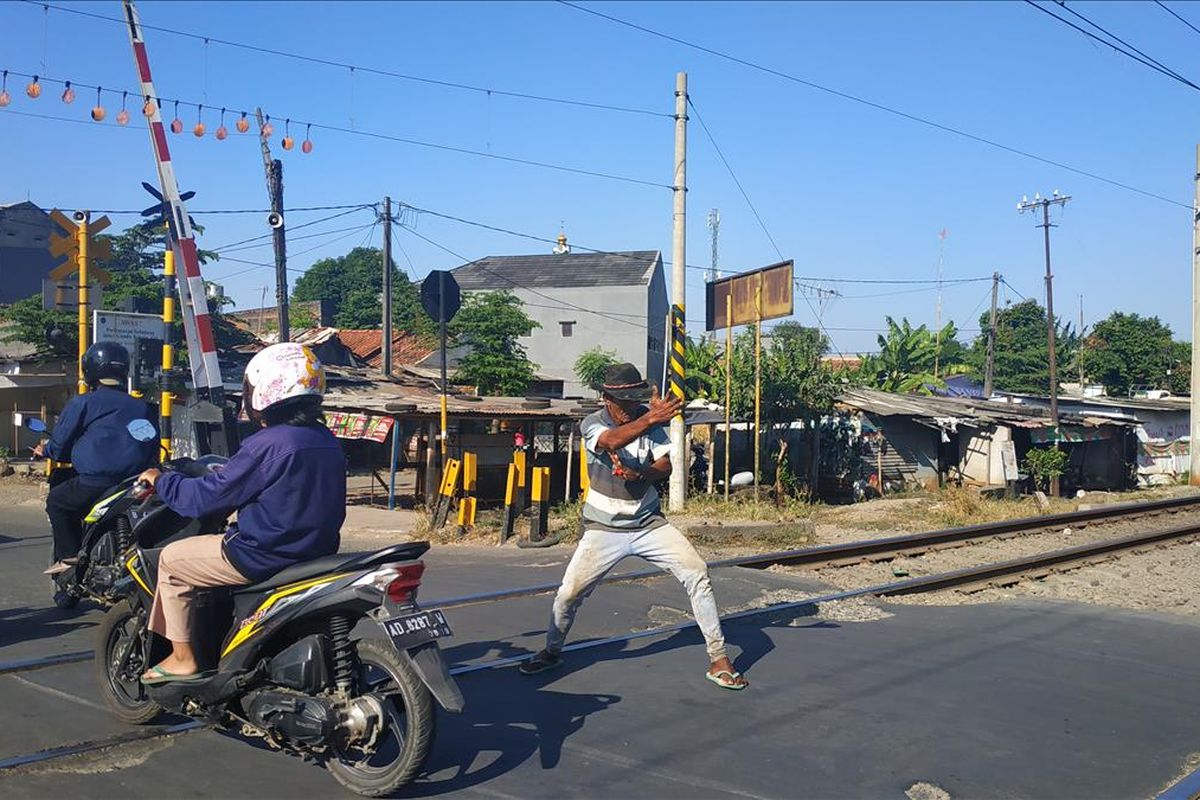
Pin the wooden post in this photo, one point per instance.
(728, 380)
(430, 465)
(570, 462)
(757, 380)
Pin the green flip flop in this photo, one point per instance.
(160, 676)
(733, 676)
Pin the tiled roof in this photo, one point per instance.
(630, 268)
(367, 346)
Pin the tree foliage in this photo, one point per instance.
(796, 385)
(704, 370)
(491, 323)
(1022, 356)
(591, 364)
(136, 270)
(354, 282)
(1128, 351)
(914, 359)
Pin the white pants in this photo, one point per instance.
(665, 547)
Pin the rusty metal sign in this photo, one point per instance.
(758, 295)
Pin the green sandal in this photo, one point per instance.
(160, 676)
(717, 678)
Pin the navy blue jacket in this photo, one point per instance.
(92, 434)
(288, 485)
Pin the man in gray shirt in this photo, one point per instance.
(628, 451)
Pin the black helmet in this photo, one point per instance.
(107, 363)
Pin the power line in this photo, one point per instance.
(896, 281)
(351, 132)
(1127, 50)
(1015, 289)
(1170, 11)
(486, 90)
(872, 104)
(353, 229)
(351, 210)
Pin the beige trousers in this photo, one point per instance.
(184, 566)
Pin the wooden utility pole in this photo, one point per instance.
(679, 471)
(274, 173)
(1044, 203)
(990, 373)
(387, 287)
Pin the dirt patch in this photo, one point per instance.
(18, 490)
(926, 791)
(1190, 765)
(111, 759)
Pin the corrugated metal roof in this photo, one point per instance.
(966, 410)
(566, 270)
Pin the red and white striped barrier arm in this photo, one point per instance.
(197, 325)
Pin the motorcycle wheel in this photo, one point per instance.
(126, 698)
(408, 704)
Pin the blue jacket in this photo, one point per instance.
(288, 485)
(92, 434)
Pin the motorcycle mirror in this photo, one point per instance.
(36, 425)
(141, 430)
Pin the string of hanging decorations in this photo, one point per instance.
(33, 89)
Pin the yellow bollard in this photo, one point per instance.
(540, 504)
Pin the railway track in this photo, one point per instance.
(983, 575)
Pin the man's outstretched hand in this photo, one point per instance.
(663, 409)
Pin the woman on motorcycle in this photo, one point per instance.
(287, 483)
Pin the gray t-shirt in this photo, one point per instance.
(613, 503)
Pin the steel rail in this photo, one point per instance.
(929, 583)
(811, 556)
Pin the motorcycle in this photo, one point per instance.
(108, 529)
(287, 670)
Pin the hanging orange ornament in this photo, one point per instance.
(243, 124)
(306, 146)
(123, 114)
(177, 123)
(148, 107)
(68, 95)
(34, 89)
(221, 131)
(199, 129)
(5, 97)
(98, 111)
(288, 141)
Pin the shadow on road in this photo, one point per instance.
(24, 624)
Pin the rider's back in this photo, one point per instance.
(92, 433)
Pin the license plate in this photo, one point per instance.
(414, 629)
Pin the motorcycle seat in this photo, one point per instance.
(338, 562)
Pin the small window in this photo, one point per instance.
(568, 327)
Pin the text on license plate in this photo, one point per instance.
(419, 627)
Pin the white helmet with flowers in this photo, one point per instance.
(282, 372)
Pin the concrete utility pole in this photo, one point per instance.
(989, 374)
(1044, 203)
(387, 287)
(1194, 473)
(274, 172)
(679, 468)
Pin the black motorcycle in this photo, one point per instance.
(288, 669)
(108, 530)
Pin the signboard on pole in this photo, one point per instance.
(777, 288)
(126, 328)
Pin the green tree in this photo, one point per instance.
(591, 364)
(490, 324)
(354, 282)
(1128, 351)
(1022, 360)
(136, 270)
(913, 359)
(1181, 372)
(796, 385)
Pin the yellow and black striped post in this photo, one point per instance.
(584, 480)
(540, 500)
(519, 497)
(168, 354)
(466, 503)
(446, 492)
(510, 508)
(677, 361)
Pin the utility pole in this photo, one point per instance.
(387, 287)
(1194, 473)
(274, 172)
(1044, 203)
(990, 373)
(679, 469)
(1079, 358)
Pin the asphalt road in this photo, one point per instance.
(1023, 700)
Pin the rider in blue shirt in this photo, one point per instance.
(94, 433)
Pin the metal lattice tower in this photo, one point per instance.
(714, 228)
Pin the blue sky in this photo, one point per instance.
(847, 191)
